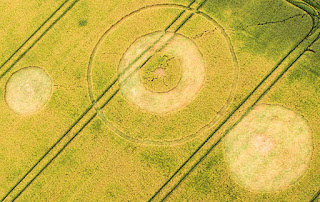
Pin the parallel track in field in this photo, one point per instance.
(180, 179)
(91, 107)
(224, 135)
(36, 36)
(65, 136)
(172, 142)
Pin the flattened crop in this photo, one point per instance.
(28, 90)
(269, 149)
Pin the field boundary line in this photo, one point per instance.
(24, 45)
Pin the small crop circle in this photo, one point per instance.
(28, 90)
(269, 149)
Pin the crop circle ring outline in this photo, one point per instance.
(190, 136)
(192, 74)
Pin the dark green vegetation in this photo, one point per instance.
(82, 23)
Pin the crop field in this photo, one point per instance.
(160, 100)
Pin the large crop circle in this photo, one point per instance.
(28, 90)
(269, 149)
(186, 81)
(192, 73)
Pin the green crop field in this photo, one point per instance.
(160, 100)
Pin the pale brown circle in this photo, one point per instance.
(192, 77)
(269, 149)
(28, 90)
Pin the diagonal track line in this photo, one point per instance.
(34, 33)
(43, 156)
(121, 134)
(185, 21)
(139, 57)
(229, 116)
(314, 29)
(315, 197)
(37, 40)
(178, 16)
(110, 125)
(65, 134)
(73, 137)
(224, 135)
(55, 156)
(20, 57)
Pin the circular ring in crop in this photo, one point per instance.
(163, 124)
(176, 47)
